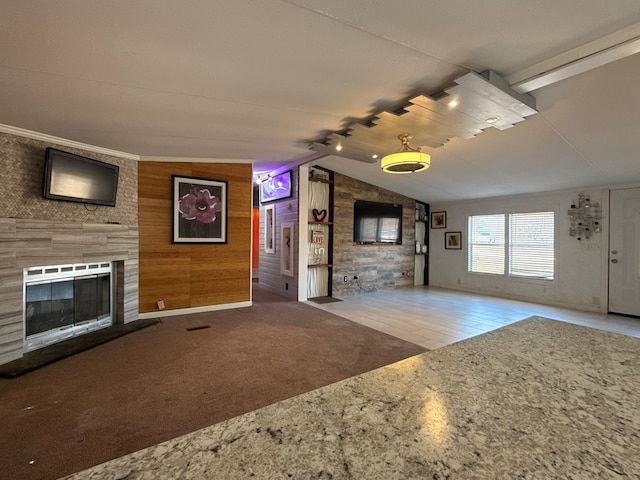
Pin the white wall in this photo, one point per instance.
(581, 266)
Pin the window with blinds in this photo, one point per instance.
(523, 247)
(531, 252)
(486, 244)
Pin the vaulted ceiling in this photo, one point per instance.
(262, 80)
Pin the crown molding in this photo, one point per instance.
(195, 160)
(21, 132)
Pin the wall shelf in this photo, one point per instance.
(422, 237)
(320, 236)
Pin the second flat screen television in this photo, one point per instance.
(375, 222)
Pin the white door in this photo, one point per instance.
(624, 252)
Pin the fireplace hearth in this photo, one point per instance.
(64, 301)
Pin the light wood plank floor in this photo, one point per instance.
(434, 317)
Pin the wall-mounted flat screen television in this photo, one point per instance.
(74, 178)
(375, 222)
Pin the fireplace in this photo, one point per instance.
(27, 243)
(65, 301)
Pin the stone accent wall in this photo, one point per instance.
(30, 243)
(35, 232)
(378, 267)
(22, 170)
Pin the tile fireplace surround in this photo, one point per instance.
(30, 243)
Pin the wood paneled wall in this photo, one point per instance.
(193, 275)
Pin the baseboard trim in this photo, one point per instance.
(187, 311)
(522, 298)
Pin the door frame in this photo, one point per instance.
(604, 253)
(605, 242)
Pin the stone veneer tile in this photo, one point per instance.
(378, 267)
(7, 260)
(10, 351)
(52, 244)
(7, 225)
(53, 232)
(22, 166)
(11, 331)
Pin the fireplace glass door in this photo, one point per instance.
(91, 298)
(49, 306)
(65, 301)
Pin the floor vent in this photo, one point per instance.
(201, 327)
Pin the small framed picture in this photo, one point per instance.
(438, 219)
(269, 229)
(453, 240)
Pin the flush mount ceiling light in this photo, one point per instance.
(407, 160)
(432, 119)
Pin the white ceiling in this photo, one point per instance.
(260, 80)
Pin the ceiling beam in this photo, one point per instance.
(612, 47)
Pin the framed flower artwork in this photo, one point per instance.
(199, 210)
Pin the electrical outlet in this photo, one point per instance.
(346, 279)
(160, 304)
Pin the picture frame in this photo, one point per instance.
(287, 245)
(438, 219)
(199, 210)
(276, 187)
(453, 240)
(317, 174)
(269, 229)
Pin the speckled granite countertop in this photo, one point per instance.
(538, 399)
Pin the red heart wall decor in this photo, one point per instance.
(319, 215)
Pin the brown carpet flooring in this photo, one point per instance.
(175, 377)
(53, 353)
